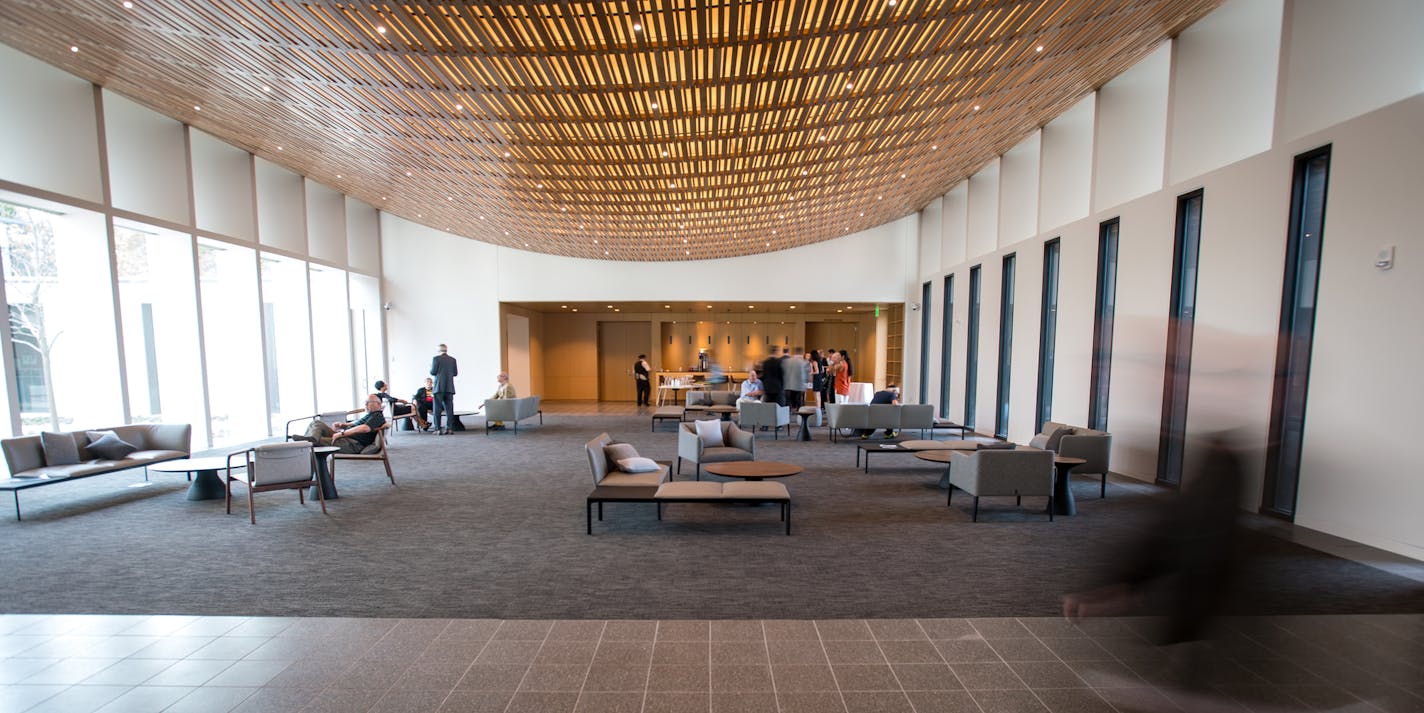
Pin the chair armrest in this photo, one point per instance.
(745, 440)
(1093, 448)
(689, 446)
(171, 437)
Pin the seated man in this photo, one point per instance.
(891, 395)
(424, 400)
(504, 391)
(350, 437)
(399, 407)
(751, 388)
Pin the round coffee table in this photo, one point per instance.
(941, 455)
(752, 469)
(206, 483)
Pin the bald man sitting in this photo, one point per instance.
(504, 391)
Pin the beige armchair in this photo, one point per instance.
(274, 466)
(606, 472)
(1003, 472)
(737, 445)
(766, 414)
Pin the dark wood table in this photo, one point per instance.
(909, 447)
(1062, 494)
(752, 469)
(806, 412)
(724, 412)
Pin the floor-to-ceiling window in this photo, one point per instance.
(1181, 321)
(926, 294)
(1006, 348)
(331, 340)
(159, 311)
(1297, 335)
(1105, 307)
(287, 320)
(946, 344)
(366, 334)
(1047, 334)
(971, 350)
(58, 287)
(232, 340)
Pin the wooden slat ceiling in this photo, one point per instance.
(618, 129)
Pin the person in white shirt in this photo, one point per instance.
(751, 388)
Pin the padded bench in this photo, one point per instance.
(741, 492)
(667, 413)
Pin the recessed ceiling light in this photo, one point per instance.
(564, 209)
(128, 5)
(653, 105)
(688, 252)
(564, 306)
(195, 106)
(279, 148)
(672, 184)
(595, 241)
(351, 139)
(610, 306)
(539, 185)
(482, 217)
(902, 175)
(667, 306)
(266, 88)
(506, 232)
(793, 306)
(976, 107)
(862, 215)
(420, 215)
(664, 153)
(839, 311)
(338, 175)
(768, 244)
(848, 85)
(637, 27)
(1038, 48)
(823, 137)
(381, 29)
(684, 241)
(383, 197)
(849, 307)
(934, 147)
(73, 48)
(449, 198)
(751, 306)
(605, 252)
(880, 198)
(804, 172)
(459, 107)
(407, 173)
(575, 309)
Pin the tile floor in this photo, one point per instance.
(78, 663)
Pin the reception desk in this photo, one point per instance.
(699, 377)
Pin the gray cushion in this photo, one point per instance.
(1056, 439)
(997, 446)
(637, 464)
(372, 449)
(1040, 441)
(108, 446)
(615, 452)
(724, 454)
(59, 448)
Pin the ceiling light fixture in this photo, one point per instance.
(381, 29)
(73, 48)
(266, 88)
(637, 27)
(128, 5)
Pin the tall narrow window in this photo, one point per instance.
(1297, 333)
(1006, 349)
(1047, 334)
(946, 342)
(925, 296)
(1103, 310)
(971, 351)
(1175, 385)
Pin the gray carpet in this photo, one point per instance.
(493, 526)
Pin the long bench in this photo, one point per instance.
(739, 492)
(29, 468)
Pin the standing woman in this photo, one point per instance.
(813, 358)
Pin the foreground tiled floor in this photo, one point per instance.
(211, 664)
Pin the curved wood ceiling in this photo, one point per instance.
(619, 129)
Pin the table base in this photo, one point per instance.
(206, 485)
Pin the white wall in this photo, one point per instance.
(1347, 58)
(223, 194)
(982, 234)
(148, 162)
(1067, 173)
(1018, 191)
(1132, 131)
(281, 213)
(326, 223)
(954, 226)
(54, 112)
(1224, 87)
(1358, 480)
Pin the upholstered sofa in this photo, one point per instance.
(1002, 472)
(1077, 442)
(897, 417)
(31, 467)
(511, 411)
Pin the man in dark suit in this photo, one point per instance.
(444, 369)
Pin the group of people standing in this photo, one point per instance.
(787, 374)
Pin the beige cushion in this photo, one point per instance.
(1040, 441)
(635, 479)
(724, 454)
(690, 489)
(710, 433)
(619, 451)
(752, 489)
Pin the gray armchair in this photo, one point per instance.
(738, 445)
(1003, 472)
(511, 410)
(762, 413)
(1073, 442)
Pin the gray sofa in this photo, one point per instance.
(1076, 442)
(156, 442)
(898, 417)
(512, 411)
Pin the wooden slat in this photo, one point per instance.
(556, 141)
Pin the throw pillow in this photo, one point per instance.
(372, 449)
(109, 446)
(1040, 441)
(1056, 438)
(637, 465)
(59, 448)
(710, 433)
(619, 451)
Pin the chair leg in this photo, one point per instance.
(1103, 489)
(301, 496)
(385, 458)
(699, 470)
(976, 509)
(1050, 507)
(251, 507)
(949, 498)
(321, 495)
(227, 494)
(679, 465)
